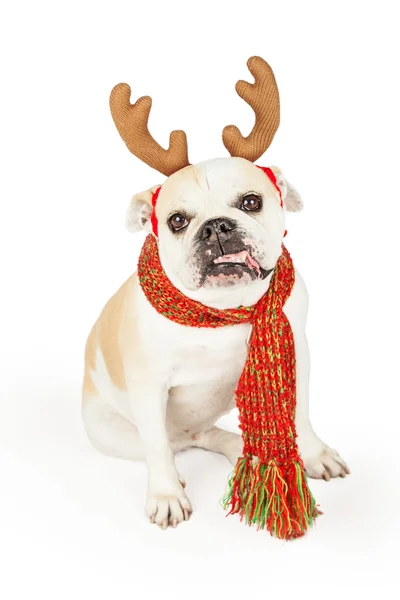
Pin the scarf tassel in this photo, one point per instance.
(266, 496)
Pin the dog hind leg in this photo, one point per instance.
(110, 432)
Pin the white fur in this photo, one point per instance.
(187, 376)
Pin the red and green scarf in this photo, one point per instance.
(268, 487)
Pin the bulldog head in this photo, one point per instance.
(220, 223)
(220, 226)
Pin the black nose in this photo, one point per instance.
(217, 229)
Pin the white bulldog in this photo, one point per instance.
(153, 387)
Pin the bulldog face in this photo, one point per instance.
(220, 228)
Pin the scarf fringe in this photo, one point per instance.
(266, 496)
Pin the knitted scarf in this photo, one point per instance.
(268, 487)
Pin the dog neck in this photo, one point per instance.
(225, 297)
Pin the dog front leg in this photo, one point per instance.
(320, 461)
(167, 503)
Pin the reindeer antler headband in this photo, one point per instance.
(131, 121)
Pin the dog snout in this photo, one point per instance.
(217, 229)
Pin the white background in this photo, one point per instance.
(72, 520)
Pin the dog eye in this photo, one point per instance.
(177, 222)
(251, 202)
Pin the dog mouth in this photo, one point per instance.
(239, 261)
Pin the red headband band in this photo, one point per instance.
(153, 218)
(154, 221)
(271, 175)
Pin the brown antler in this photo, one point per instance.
(263, 97)
(131, 121)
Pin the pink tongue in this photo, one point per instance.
(239, 257)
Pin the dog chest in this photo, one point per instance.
(208, 355)
(186, 355)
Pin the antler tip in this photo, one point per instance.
(178, 134)
(244, 89)
(229, 134)
(120, 87)
(120, 95)
(254, 59)
(178, 140)
(258, 66)
(145, 101)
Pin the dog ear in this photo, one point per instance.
(292, 201)
(139, 211)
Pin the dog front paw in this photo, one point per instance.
(325, 465)
(168, 509)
